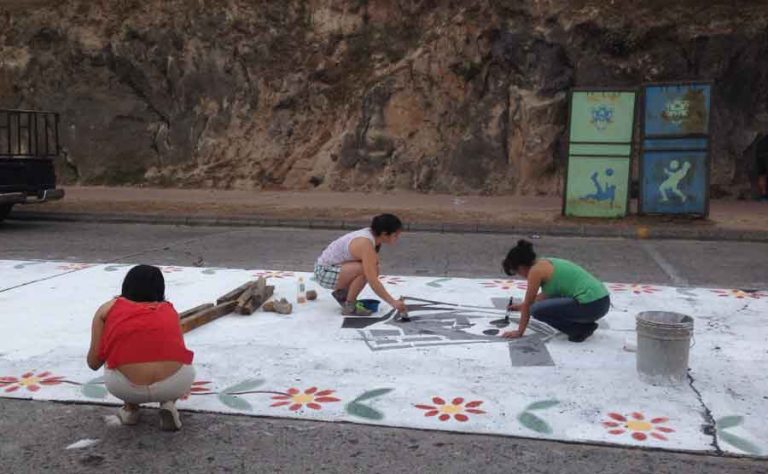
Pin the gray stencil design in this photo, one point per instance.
(436, 323)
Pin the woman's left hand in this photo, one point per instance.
(512, 334)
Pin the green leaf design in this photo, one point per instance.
(436, 283)
(542, 404)
(237, 403)
(208, 271)
(243, 386)
(533, 422)
(93, 391)
(729, 422)
(739, 443)
(114, 268)
(373, 394)
(363, 411)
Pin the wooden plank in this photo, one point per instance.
(194, 310)
(235, 294)
(259, 298)
(206, 316)
(253, 297)
(243, 300)
(256, 300)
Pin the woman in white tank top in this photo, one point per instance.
(351, 262)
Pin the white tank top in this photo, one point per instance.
(338, 251)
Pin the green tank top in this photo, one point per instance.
(571, 281)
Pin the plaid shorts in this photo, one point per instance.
(327, 275)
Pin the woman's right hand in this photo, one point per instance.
(514, 307)
(399, 305)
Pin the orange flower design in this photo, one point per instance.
(310, 398)
(171, 269)
(273, 274)
(30, 381)
(456, 409)
(506, 284)
(198, 386)
(635, 288)
(391, 280)
(638, 427)
(739, 294)
(74, 266)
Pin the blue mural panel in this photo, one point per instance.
(674, 182)
(675, 144)
(682, 109)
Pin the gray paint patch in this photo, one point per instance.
(529, 351)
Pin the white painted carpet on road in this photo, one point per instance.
(447, 369)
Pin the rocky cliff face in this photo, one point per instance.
(431, 95)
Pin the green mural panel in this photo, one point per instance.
(600, 150)
(603, 117)
(597, 187)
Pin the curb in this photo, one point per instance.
(667, 232)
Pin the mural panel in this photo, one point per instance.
(602, 117)
(681, 109)
(674, 182)
(597, 187)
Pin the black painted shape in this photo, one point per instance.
(360, 322)
(491, 332)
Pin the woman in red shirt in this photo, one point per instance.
(139, 337)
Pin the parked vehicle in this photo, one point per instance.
(29, 144)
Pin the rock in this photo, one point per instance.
(467, 97)
(281, 306)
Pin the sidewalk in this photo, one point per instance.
(728, 220)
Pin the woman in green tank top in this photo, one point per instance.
(571, 298)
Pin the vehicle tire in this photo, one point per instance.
(5, 209)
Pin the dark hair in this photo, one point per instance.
(144, 284)
(385, 224)
(520, 255)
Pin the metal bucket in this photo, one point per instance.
(663, 343)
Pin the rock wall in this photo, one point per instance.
(429, 95)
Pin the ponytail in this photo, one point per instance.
(520, 255)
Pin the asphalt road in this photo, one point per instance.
(33, 435)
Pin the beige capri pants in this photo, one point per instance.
(169, 389)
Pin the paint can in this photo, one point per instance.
(663, 344)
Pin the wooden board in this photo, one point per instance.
(194, 310)
(235, 294)
(206, 316)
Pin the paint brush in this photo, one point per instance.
(404, 315)
(509, 309)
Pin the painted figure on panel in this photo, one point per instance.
(675, 173)
(604, 192)
(688, 111)
(602, 116)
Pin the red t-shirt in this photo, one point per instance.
(142, 332)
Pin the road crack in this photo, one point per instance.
(710, 426)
